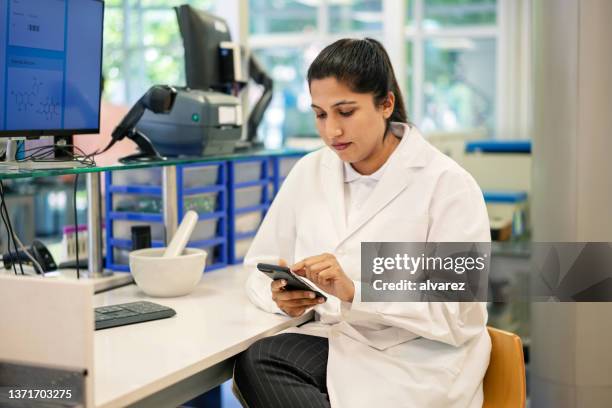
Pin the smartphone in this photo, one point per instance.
(294, 282)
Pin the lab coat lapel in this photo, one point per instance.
(398, 174)
(332, 180)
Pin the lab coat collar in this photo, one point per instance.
(409, 154)
(350, 174)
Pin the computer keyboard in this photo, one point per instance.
(129, 313)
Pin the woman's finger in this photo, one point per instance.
(294, 311)
(309, 261)
(295, 294)
(278, 285)
(328, 274)
(321, 265)
(314, 273)
(298, 303)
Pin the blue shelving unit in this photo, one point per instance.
(281, 167)
(217, 244)
(507, 197)
(498, 146)
(244, 176)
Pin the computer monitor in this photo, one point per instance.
(50, 67)
(203, 34)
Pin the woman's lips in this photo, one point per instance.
(341, 146)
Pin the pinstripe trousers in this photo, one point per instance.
(287, 370)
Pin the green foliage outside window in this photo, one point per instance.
(460, 12)
(142, 46)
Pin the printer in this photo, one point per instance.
(199, 123)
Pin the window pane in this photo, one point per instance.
(282, 16)
(409, 96)
(112, 59)
(439, 13)
(160, 28)
(410, 12)
(460, 75)
(164, 66)
(289, 114)
(114, 80)
(356, 15)
(168, 4)
(142, 46)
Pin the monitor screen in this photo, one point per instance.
(202, 35)
(50, 66)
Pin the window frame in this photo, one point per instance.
(396, 33)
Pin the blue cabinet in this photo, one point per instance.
(134, 197)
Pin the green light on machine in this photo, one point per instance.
(195, 117)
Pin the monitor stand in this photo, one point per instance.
(11, 163)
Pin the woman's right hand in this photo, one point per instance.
(292, 302)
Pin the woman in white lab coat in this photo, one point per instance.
(376, 180)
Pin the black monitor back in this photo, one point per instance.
(202, 34)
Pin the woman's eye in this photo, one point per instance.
(346, 114)
(321, 116)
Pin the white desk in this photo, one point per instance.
(167, 362)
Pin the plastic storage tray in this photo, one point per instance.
(200, 176)
(204, 229)
(122, 229)
(138, 177)
(247, 222)
(121, 256)
(247, 171)
(193, 176)
(285, 165)
(211, 251)
(137, 203)
(201, 203)
(241, 247)
(151, 204)
(248, 196)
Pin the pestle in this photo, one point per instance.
(182, 235)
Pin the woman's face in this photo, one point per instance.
(349, 122)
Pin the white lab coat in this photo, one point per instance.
(387, 354)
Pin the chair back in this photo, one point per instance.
(504, 381)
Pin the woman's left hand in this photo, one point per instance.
(325, 272)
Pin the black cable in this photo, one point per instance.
(47, 154)
(76, 225)
(10, 228)
(8, 234)
(6, 218)
(10, 224)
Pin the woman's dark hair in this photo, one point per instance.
(365, 67)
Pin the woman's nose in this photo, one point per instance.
(332, 129)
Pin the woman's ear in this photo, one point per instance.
(388, 105)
